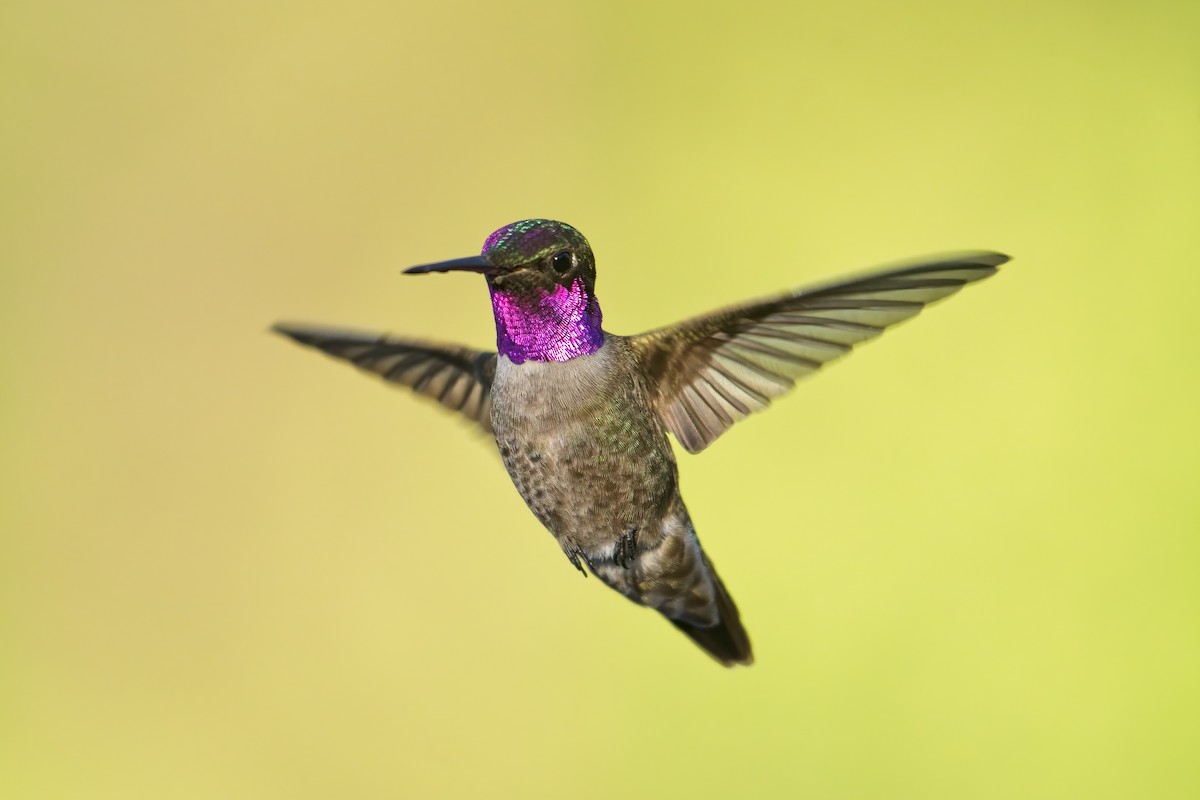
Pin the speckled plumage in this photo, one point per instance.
(581, 416)
(585, 450)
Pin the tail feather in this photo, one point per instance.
(726, 641)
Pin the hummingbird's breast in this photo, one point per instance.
(583, 446)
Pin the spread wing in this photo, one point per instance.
(457, 377)
(711, 371)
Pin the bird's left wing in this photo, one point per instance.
(711, 371)
(457, 377)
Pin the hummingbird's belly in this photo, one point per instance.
(584, 450)
(589, 481)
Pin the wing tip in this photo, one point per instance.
(301, 334)
(964, 258)
(305, 333)
(990, 258)
(990, 261)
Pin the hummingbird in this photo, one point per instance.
(581, 416)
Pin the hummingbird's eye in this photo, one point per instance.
(562, 262)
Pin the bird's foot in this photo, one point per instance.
(575, 553)
(626, 550)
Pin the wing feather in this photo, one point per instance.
(458, 378)
(711, 371)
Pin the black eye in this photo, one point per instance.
(562, 262)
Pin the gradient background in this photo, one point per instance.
(968, 556)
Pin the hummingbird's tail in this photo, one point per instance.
(726, 641)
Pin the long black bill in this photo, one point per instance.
(468, 264)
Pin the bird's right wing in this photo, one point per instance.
(457, 377)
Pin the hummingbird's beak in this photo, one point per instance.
(468, 264)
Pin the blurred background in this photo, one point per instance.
(967, 556)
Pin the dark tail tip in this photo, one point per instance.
(726, 641)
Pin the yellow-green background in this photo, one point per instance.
(232, 569)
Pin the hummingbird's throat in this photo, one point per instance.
(547, 326)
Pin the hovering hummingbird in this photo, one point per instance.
(581, 415)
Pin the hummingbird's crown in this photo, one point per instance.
(529, 239)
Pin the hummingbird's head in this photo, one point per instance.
(528, 257)
(542, 278)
